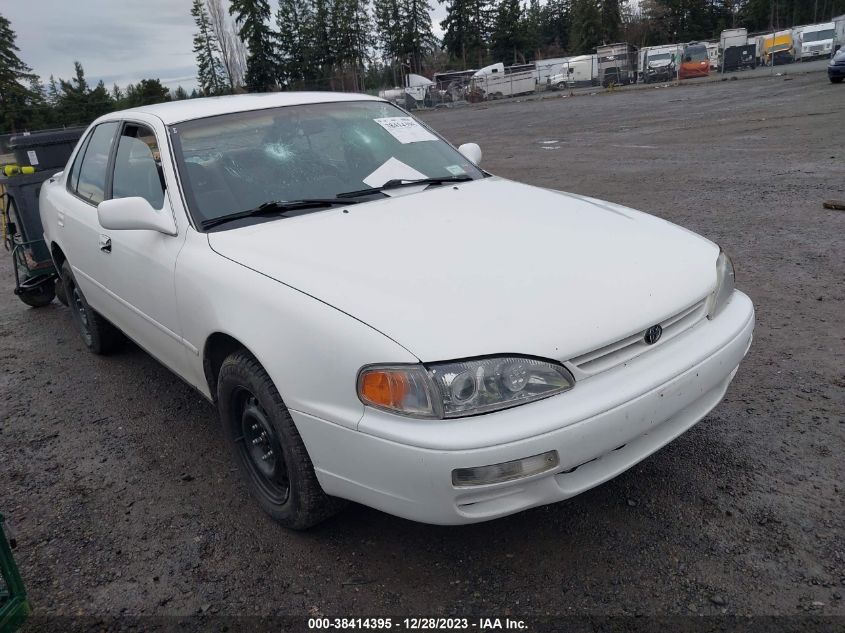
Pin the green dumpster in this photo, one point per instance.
(14, 607)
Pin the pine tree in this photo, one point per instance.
(419, 40)
(14, 74)
(211, 73)
(293, 18)
(507, 38)
(350, 27)
(388, 22)
(179, 94)
(586, 27)
(322, 51)
(466, 30)
(557, 19)
(611, 20)
(252, 17)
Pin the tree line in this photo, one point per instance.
(361, 45)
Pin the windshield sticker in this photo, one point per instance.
(392, 169)
(455, 170)
(405, 129)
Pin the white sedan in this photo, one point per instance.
(378, 319)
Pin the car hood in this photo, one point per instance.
(662, 63)
(485, 267)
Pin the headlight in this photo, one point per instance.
(724, 285)
(456, 389)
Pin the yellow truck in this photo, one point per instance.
(778, 47)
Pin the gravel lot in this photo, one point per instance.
(115, 476)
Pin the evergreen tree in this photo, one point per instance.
(508, 37)
(351, 27)
(388, 22)
(557, 19)
(15, 98)
(293, 18)
(611, 20)
(252, 16)
(466, 30)
(211, 73)
(586, 26)
(418, 40)
(322, 50)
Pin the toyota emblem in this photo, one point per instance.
(653, 334)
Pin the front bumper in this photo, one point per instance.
(836, 71)
(603, 426)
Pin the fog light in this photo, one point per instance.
(506, 471)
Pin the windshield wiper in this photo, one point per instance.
(280, 206)
(403, 182)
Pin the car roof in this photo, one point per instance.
(188, 109)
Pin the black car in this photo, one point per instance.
(836, 69)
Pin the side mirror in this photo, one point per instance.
(134, 214)
(471, 151)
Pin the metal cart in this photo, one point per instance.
(42, 154)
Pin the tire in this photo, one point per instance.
(99, 336)
(260, 431)
(40, 296)
(60, 291)
(836, 80)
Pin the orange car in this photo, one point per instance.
(695, 63)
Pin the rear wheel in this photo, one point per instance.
(100, 336)
(267, 447)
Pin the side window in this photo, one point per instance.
(136, 166)
(91, 184)
(73, 175)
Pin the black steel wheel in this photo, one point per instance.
(100, 336)
(261, 447)
(267, 446)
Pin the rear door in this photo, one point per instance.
(78, 229)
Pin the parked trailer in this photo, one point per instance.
(617, 64)
(815, 41)
(736, 50)
(733, 37)
(497, 82)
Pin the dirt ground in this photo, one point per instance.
(116, 479)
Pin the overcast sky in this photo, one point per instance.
(119, 41)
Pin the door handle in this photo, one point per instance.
(105, 243)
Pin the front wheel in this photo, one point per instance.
(836, 80)
(267, 447)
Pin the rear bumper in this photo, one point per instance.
(603, 426)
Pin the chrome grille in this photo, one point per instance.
(627, 348)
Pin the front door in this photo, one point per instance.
(139, 265)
